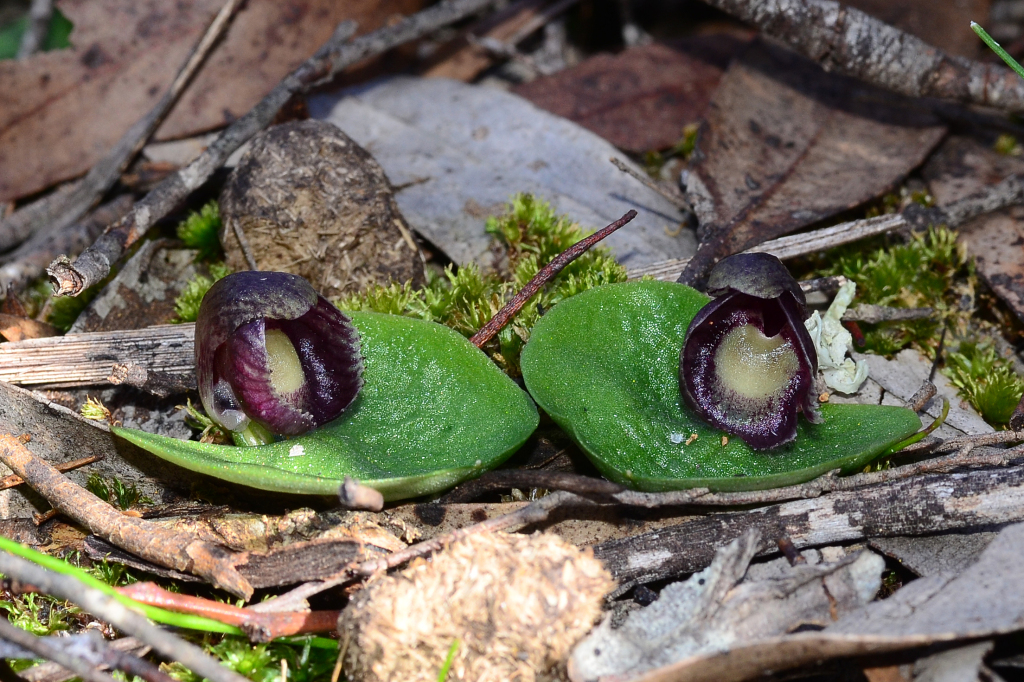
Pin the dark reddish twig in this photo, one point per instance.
(261, 627)
(546, 274)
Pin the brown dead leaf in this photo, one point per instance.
(963, 166)
(642, 98)
(61, 111)
(785, 144)
(940, 23)
(18, 328)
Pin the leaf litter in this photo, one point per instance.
(983, 374)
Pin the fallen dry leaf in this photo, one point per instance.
(76, 103)
(785, 145)
(642, 98)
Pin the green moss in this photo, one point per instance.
(931, 270)
(262, 662)
(115, 492)
(186, 305)
(986, 380)
(201, 231)
(466, 298)
(38, 613)
(57, 36)
(1007, 145)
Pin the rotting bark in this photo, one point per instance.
(167, 548)
(107, 608)
(847, 41)
(920, 505)
(61, 209)
(337, 54)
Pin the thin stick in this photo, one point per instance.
(675, 199)
(61, 209)
(261, 627)
(546, 274)
(46, 649)
(336, 55)
(243, 242)
(15, 480)
(110, 610)
(39, 16)
(173, 549)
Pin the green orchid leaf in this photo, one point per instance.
(605, 365)
(433, 411)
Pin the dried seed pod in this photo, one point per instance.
(269, 349)
(748, 365)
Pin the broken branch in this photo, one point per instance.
(337, 54)
(180, 551)
(845, 40)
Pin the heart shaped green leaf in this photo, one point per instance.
(605, 365)
(433, 411)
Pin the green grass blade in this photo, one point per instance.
(998, 49)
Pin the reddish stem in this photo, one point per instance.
(546, 274)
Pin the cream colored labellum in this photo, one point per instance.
(755, 367)
(286, 375)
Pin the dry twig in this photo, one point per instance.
(14, 480)
(679, 202)
(39, 15)
(61, 209)
(336, 55)
(107, 608)
(847, 41)
(545, 275)
(45, 648)
(177, 550)
(260, 627)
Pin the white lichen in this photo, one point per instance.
(832, 342)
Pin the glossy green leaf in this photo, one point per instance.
(605, 365)
(433, 411)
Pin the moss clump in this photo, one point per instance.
(186, 305)
(201, 230)
(931, 270)
(531, 234)
(262, 662)
(987, 381)
(115, 492)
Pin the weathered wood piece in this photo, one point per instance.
(915, 506)
(87, 359)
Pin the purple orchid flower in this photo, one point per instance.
(270, 350)
(748, 365)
